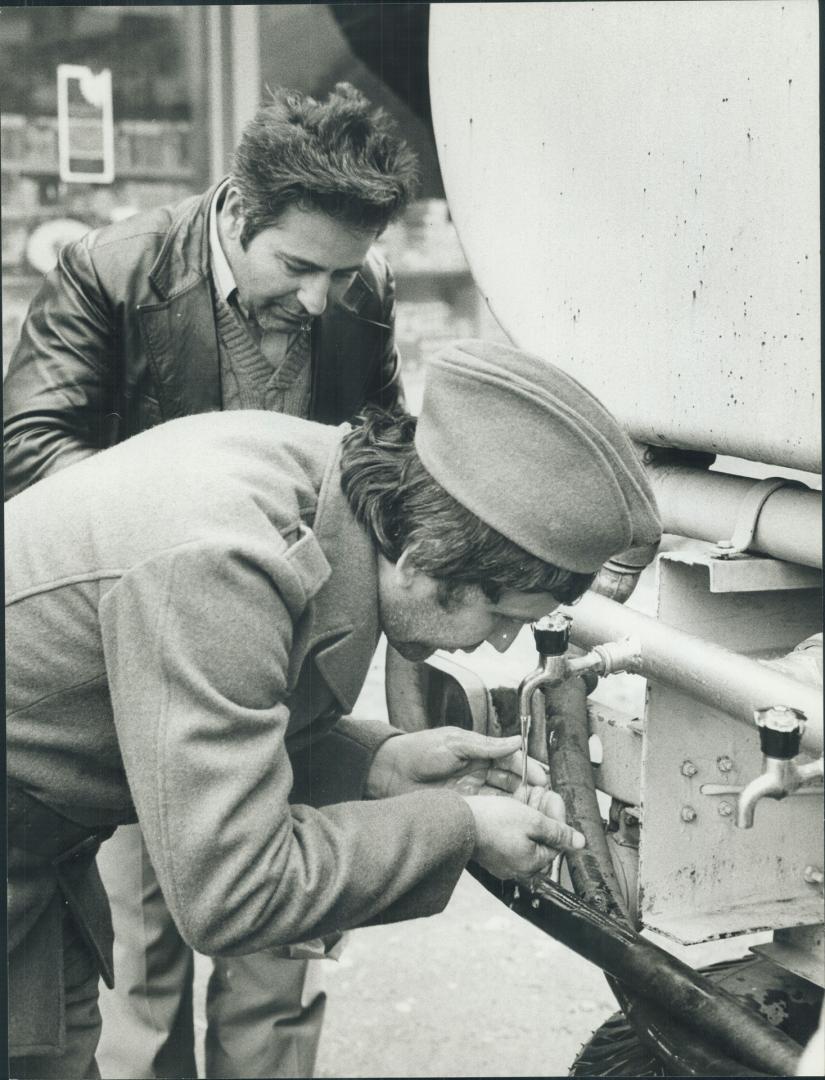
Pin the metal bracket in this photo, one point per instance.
(747, 517)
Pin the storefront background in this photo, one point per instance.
(185, 79)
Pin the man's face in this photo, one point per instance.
(291, 270)
(416, 623)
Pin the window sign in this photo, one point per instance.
(85, 127)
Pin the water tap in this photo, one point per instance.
(780, 734)
(552, 635)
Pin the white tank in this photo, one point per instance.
(636, 187)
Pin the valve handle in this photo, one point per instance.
(552, 634)
(780, 731)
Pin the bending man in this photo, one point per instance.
(190, 614)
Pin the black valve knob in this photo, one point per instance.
(780, 731)
(552, 633)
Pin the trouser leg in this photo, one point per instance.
(148, 1027)
(264, 1016)
(80, 978)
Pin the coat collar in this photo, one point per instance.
(183, 260)
(342, 628)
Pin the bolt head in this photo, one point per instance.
(725, 809)
(812, 876)
(689, 769)
(724, 764)
(688, 814)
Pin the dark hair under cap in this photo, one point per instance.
(533, 454)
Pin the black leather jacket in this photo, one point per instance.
(121, 336)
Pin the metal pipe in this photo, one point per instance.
(774, 783)
(618, 577)
(778, 779)
(704, 505)
(716, 676)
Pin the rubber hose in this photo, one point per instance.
(594, 880)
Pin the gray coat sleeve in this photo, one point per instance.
(196, 644)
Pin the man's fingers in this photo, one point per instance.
(554, 834)
(549, 803)
(503, 779)
(536, 773)
(506, 751)
(488, 746)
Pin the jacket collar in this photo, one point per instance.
(343, 627)
(184, 257)
(357, 297)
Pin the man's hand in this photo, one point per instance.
(515, 837)
(518, 841)
(470, 763)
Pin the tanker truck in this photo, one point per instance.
(636, 189)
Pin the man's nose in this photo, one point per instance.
(504, 634)
(313, 293)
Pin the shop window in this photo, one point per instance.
(155, 58)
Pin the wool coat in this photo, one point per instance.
(122, 336)
(189, 614)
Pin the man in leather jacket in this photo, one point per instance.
(263, 292)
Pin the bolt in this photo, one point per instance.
(812, 875)
(725, 809)
(724, 764)
(688, 813)
(689, 769)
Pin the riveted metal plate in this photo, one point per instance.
(706, 878)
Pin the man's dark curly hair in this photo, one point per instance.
(392, 494)
(339, 156)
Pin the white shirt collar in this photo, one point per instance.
(221, 271)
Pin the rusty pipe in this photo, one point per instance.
(725, 680)
(704, 505)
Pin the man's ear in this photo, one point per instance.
(406, 569)
(232, 217)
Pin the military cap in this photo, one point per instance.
(534, 455)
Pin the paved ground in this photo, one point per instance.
(474, 991)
